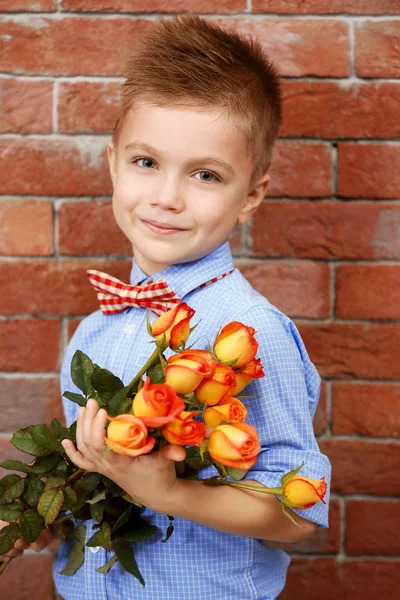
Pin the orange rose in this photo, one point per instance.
(127, 434)
(246, 374)
(234, 445)
(214, 389)
(230, 409)
(188, 368)
(236, 342)
(302, 492)
(156, 404)
(174, 324)
(184, 430)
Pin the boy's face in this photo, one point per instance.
(181, 180)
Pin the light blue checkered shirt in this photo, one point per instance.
(197, 562)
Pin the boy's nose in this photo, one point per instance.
(169, 195)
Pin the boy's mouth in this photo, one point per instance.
(162, 228)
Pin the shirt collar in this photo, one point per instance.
(185, 277)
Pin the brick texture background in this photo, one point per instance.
(325, 246)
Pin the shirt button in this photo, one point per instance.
(129, 329)
(95, 549)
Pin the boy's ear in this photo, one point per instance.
(254, 198)
(112, 159)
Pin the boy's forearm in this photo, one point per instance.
(233, 510)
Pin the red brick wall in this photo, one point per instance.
(324, 247)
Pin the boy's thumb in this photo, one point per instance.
(172, 452)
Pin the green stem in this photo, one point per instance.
(264, 490)
(145, 367)
(74, 475)
(4, 564)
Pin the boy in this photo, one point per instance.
(188, 160)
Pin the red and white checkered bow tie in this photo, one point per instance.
(115, 296)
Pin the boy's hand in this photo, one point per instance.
(45, 538)
(148, 478)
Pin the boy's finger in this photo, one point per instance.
(98, 430)
(87, 422)
(73, 454)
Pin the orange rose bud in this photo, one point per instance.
(187, 369)
(127, 435)
(214, 389)
(184, 430)
(156, 404)
(302, 492)
(235, 445)
(230, 409)
(174, 324)
(246, 374)
(236, 341)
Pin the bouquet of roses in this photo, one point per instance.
(190, 399)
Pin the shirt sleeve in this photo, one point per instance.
(281, 406)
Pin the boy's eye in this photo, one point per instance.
(147, 163)
(207, 176)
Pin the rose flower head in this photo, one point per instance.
(187, 369)
(246, 374)
(214, 389)
(230, 409)
(174, 325)
(235, 445)
(128, 435)
(236, 344)
(302, 492)
(156, 404)
(184, 430)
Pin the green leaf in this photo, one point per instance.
(113, 488)
(43, 436)
(44, 464)
(106, 383)
(81, 372)
(15, 465)
(120, 403)
(23, 440)
(67, 530)
(137, 530)
(89, 482)
(30, 525)
(97, 497)
(101, 537)
(156, 374)
(54, 482)
(127, 559)
(124, 518)
(59, 431)
(170, 530)
(72, 431)
(50, 504)
(105, 568)
(77, 553)
(77, 398)
(34, 488)
(61, 469)
(97, 511)
(11, 488)
(236, 474)
(8, 537)
(288, 476)
(10, 512)
(70, 498)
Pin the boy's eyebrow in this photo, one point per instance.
(203, 160)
